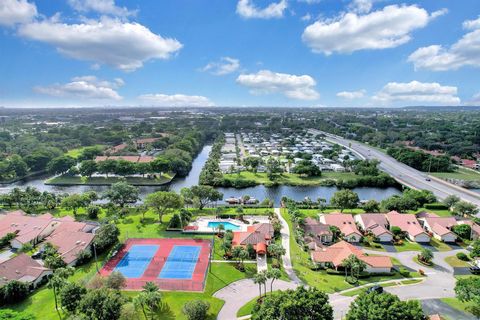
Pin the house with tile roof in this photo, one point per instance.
(375, 224)
(316, 234)
(258, 235)
(334, 255)
(409, 224)
(24, 269)
(345, 223)
(70, 238)
(440, 227)
(28, 228)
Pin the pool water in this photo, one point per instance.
(226, 224)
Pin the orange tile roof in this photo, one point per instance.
(255, 234)
(342, 221)
(375, 223)
(341, 250)
(441, 225)
(406, 222)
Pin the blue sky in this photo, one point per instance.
(335, 53)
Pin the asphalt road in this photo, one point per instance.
(404, 174)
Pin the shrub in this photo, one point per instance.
(462, 256)
(196, 309)
(351, 280)
(92, 212)
(13, 292)
(83, 256)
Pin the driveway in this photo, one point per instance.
(389, 247)
(436, 306)
(238, 293)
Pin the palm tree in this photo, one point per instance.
(273, 274)
(348, 263)
(259, 279)
(149, 299)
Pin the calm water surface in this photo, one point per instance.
(259, 192)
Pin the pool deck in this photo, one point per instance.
(152, 271)
(201, 224)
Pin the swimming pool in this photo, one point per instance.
(180, 263)
(135, 262)
(226, 224)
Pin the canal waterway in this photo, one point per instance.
(259, 192)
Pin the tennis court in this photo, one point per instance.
(172, 264)
(180, 263)
(135, 262)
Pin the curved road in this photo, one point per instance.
(404, 174)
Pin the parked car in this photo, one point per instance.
(475, 270)
(376, 288)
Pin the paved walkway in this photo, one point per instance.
(238, 293)
(436, 306)
(285, 234)
(261, 262)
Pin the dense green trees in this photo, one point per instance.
(162, 202)
(60, 165)
(373, 306)
(201, 195)
(196, 309)
(421, 160)
(106, 236)
(468, 290)
(307, 168)
(344, 199)
(122, 193)
(301, 303)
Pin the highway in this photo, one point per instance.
(402, 173)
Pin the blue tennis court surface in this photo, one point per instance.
(138, 257)
(180, 263)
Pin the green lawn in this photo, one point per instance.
(439, 245)
(41, 302)
(455, 262)
(247, 308)
(75, 153)
(320, 279)
(291, 178)
(460, 174)
(384, 285)
(102, 181)
(457, 304)
(408, 246)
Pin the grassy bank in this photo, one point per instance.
(291, 178)
(75, 153)
(104, 181)
(459, 174)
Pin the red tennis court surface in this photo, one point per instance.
(153, 268)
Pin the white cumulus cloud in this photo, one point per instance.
(85, 87)
(350, 95)
(100, 6)
(123, 45)
(16, 11)
(247, 9)
(465, 52)
(292, 86)
(425, 93)
(226, 65)
(386, 28)
(175, 100)
(361, 6)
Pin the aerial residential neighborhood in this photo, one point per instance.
(241, 159)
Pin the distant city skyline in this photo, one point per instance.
(305, 53)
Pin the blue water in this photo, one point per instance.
(137, 259)
(227, 225)
(180, 263)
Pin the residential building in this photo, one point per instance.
(28, 228)
(409, 224)
(376, 224)
(258, 235)
(316, 233)
(345, 223)
(24, 269)
(440, 227)
(334, 255)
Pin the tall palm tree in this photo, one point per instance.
(273, 274)
(259, 279)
